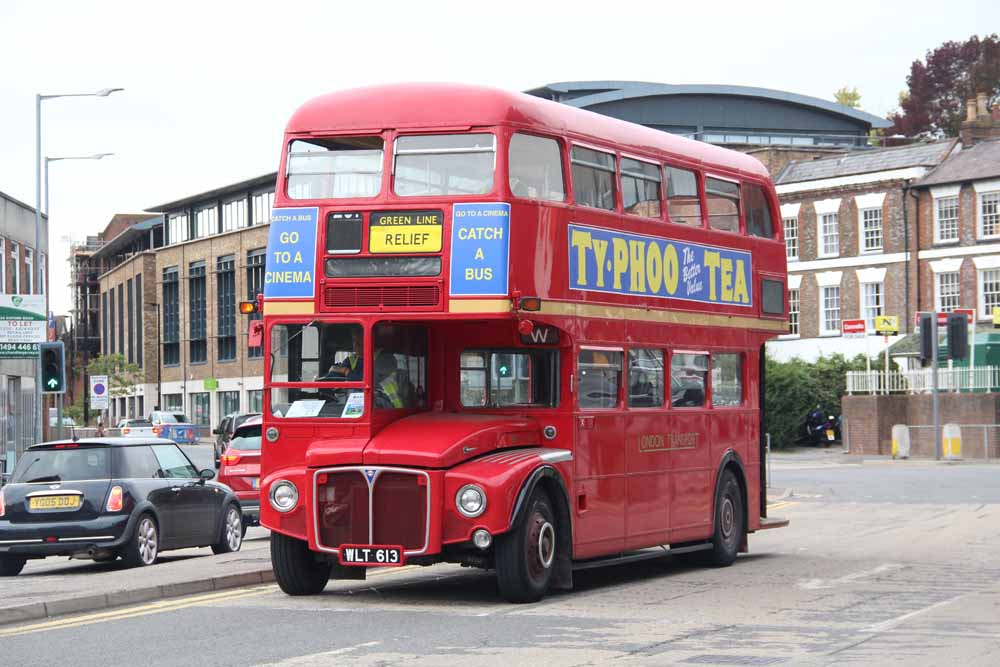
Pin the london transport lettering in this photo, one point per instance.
(291, 253)
(605, 260)
(405, 231)
(480, 249)
(665, 442)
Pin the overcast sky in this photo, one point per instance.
(210, 84)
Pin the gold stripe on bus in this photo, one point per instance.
(660, 316)
(289, 308)
(479, 306)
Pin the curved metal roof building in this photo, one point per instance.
(728, 115)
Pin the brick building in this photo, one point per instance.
(849, 232)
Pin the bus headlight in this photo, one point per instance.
(284, 496)
(470, 501)
(271, 434)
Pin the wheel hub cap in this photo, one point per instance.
(728, 518)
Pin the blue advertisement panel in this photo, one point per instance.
(605, 260)
(290, 266)
(480, 249)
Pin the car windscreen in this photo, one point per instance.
(246, 439)
(63, 464)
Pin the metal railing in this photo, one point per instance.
(920, 380)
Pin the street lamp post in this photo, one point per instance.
(38, 261)
(39, 98)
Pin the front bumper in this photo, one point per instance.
(64, 538)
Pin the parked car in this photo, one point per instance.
(240, 468)
(105, 498)
(174, 426)
(224, 433)
(136, 428)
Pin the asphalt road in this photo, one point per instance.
(854, 580)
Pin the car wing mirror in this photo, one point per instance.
(206, 474)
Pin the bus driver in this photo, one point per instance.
(351, 366)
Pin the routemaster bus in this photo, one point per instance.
(511, 334)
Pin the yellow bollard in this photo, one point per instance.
(951, 446)
(900, 441)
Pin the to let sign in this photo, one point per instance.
(22, 325)
(853, 327)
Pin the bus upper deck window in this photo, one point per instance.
(444, 164)
(335, 168)
(723, 198)
(759, 220)
(683, 200)
(641, 188)
(535, 168)
(593, 178)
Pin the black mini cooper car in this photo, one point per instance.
(104, 498)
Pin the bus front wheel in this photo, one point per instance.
(729, 523)
(296, 568)
(526, 554)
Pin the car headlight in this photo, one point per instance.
(284, 496)
(470, 501)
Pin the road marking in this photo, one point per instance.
(318, 658)
(781, 504)
(893, 622)
(816, 584)
(133, 612)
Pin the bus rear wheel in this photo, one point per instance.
(295, 567)
(729, 523)
(526, 554)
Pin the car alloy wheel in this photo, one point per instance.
(234, 529)
(148, 541)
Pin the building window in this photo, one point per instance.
(641, 188)
(946, 219)
(948, 291)
(226, 300)
(255, 286)
(15, 267)
(29, 269)
(229, 402)
(793, 312)
(104, 323)
(206, 221)
(177, 228)
(829, 235)
(173, 403)
(138, 322)
(111, 320)
(989, 214)
(989, 292)
(200, 409)
(593, 178)
(830, 312)
(171, 318)
(131, 321)
(872, 303)
(791, 226)
(871, 230)
(3, 266)
(197, 309)
(121, 319)
(262, 202)
(234, 214)
(42, 273)
(255, 400)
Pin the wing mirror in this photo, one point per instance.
(206, 474)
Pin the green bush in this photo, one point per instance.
(792, 389)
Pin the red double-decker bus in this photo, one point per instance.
(512, 334)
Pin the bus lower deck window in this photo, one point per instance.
(599, 375)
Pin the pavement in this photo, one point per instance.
(859, 577)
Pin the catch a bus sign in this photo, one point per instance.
(290, 266)
(480, 249)
(605, 260)
(22, 325)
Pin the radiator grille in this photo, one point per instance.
(374, 297)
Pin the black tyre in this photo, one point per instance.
(144, 547)
(231, 538)
(526, 555)
(295, 567)
(730, 527)
(11, 566)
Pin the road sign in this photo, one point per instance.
(887, 325)
(99, 392)
(852, 327)
(970, 313)
(22, 325)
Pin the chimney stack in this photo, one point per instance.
(979, 124)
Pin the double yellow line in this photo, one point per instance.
(781, 504)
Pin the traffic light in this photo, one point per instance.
(958, 336)
(927, 343)
(53, 368)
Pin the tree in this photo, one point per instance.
(849, 97)
(123, 376)
(937, 87)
